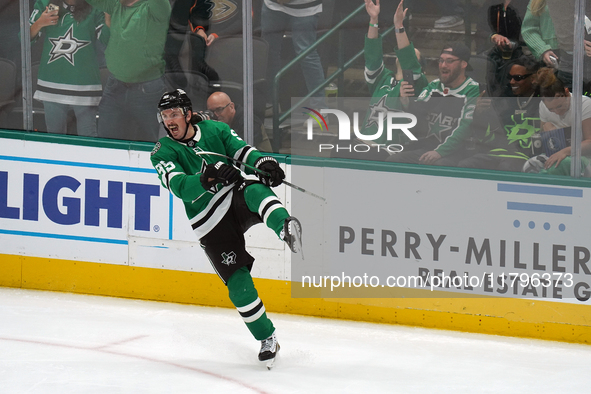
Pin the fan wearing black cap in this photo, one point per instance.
(444, 110)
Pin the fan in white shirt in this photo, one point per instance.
(555, 113)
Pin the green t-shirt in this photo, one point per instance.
(138, 33)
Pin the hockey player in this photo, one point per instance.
(196, 163)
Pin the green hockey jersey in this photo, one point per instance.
(179, 166)
(509, 127)
(385, 88)
(68, 70)
(445, 114)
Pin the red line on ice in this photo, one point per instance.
(99, 349)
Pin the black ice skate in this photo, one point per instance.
(292, 235)
(269, 349)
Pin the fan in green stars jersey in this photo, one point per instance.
(385, 85)
(444, 110)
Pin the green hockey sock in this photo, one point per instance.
(261, 199)
(245, 298)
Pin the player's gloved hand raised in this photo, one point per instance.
(219, 173)
(271, 167)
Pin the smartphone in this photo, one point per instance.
(408, 76)
(554, 61)
(52, 7)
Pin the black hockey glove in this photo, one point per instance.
(219, 173)
(271, 167)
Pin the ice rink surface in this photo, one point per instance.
(67, 343)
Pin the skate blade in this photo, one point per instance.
(298, 240)
(270, 363)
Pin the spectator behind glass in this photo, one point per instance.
(503, 127)
(561, 12)
(135, 59)
(383, 84)
(190, 16)
(452, 14)
(224, 110)
(69, 77)
(555, 113)
(444, 110)
(500, 25)
(301, 18)
(538, 32)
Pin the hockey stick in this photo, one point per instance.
(261, 172)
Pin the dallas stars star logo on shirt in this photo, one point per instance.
(376, 109)
(66, 46)
(521, 132)
(229, 258)
(439, 125)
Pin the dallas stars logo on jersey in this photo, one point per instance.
(521, 130)
(449, 112)
(229, 258)
(441, 125)
(375, 110)
(445, 114)
(66, 47)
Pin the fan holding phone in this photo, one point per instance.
(388, 89)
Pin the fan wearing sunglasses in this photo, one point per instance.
(504, 126)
